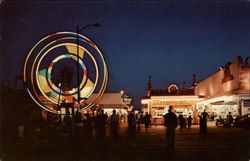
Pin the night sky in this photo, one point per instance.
(170, 41)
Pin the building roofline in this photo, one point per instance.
(218, 70)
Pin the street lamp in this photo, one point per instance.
(78, 30)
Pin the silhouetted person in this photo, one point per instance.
(67, 123)
(189, 121)
(147, 120)
(237, 121)
(101, 124)
(219, 121)
(141, 118)
(114, 124)
(181, 121)
(203, 122)
(137, 117)
(185, 122)
(107, 120)
(78, 125)
(131, 125)
(212, 116)
(229, 119)
(88, 127)
(170, 121)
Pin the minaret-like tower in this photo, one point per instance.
(149, 86)
(194, 81)
(184, 85)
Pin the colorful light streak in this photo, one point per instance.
(39, 81)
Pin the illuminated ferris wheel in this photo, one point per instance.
(64, 67)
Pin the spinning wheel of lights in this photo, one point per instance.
(50, 71)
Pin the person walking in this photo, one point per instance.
(189, 121)
(78, 124)
(114, 124)
(67, 123)
(229, 119)
(203, 122)
(131, 125)
(101, 125)
(137, 118)
(181, 121)
(147, 120)
(87, 127)
(170, 121)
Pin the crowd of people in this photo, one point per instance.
(101, 125)
(184, 122)
(97, 126)
(86, 126)
(230, 121)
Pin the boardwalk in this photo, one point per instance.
(220, 144)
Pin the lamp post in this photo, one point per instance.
(78, 30)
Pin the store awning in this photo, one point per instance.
(111, 100)
(218, 103)
(231, 103)
(223, 103)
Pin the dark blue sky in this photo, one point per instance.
(168, 40)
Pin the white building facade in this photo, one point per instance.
(227, 90)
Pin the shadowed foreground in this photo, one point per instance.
(219, 144)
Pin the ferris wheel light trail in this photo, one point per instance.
(49, 54)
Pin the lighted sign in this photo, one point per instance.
(50, 70)
(172, 102)
(172, 88)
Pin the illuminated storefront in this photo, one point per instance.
(157, 106)
(183, 100)
(114, 101)
(227, 90)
